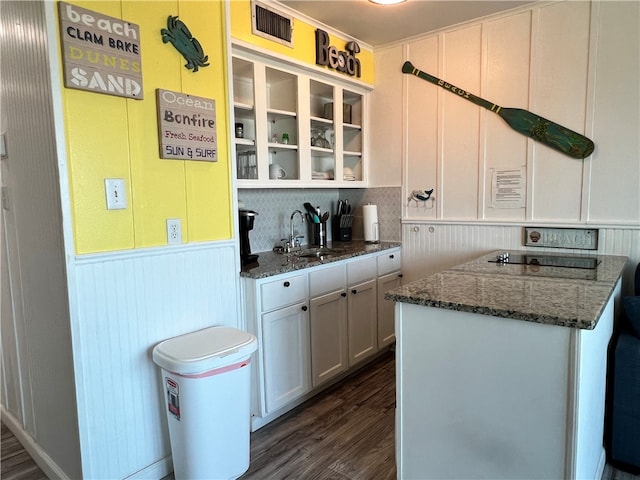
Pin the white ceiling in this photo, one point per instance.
(379, 25)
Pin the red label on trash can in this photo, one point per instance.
(173, 397)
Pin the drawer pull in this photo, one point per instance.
(399, 275)
(343, 294)
(391, 256)
(287, 284)
(304, 308)
(354, 291)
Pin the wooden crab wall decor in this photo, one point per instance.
(180, 37)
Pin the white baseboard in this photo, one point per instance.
(46, 464)
(602, 463)
(155, 471)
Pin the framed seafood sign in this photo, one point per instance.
(186, 126)
(100, 53)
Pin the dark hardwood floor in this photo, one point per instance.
(16, 463)
(345, 433)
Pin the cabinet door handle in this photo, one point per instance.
(399, 275)
(343, 294)
(391, 256)
(304, 308)
(287, 284)
(354, 291)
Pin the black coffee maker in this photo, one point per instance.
(247, 218)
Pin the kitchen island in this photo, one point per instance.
(501, 369)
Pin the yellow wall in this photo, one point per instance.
(304, 44)
(114, 137)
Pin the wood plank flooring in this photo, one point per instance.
(16, 463)
(345, 433)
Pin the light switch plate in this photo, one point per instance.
(116, 194)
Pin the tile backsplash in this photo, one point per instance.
(275, 206)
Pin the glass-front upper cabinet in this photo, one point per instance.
(245, 119)
(282, 123)
(294, 128)
(322, 133)
(352, 136)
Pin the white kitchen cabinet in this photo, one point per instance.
(313, 325)
(389, 277)
(265, 101)
(309, 126)
(281, 132)
(277, 313)
(362, 309)
(322, 130)
(386, 310)
(286, 355)
(352, 136)
(283, 291)
(245, 119)
(362, 320)
(329, 356)
(328, 317)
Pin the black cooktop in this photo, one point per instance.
(589, 263)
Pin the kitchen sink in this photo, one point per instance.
(318, 252)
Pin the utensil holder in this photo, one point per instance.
(319, 233)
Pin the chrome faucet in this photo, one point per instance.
(294, 240)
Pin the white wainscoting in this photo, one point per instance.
(432, 247)
(127, 302)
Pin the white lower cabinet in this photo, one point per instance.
(386, 309)
(313, 326)
(389, 277)
(328, 336)
(328, 316)
(362, 308)
(285, 335)
(363, 322)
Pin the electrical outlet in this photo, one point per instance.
(116, 195)
(174, 231)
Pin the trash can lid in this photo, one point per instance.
(204, 350)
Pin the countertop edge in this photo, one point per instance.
(494, 312)
(273, 262)
(424, 297)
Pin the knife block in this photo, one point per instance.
(339, 232)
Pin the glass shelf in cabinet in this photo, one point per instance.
(280, 114)
(319, 151)
(282, 146)
(324, 121)
(326, 178)
(245, 142)
(245, 107)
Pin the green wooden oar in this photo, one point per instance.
(529, 124)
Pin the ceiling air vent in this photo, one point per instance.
(268, 23)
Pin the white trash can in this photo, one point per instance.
(206, 381)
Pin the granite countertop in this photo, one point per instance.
(270, 263)
(568, 297)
